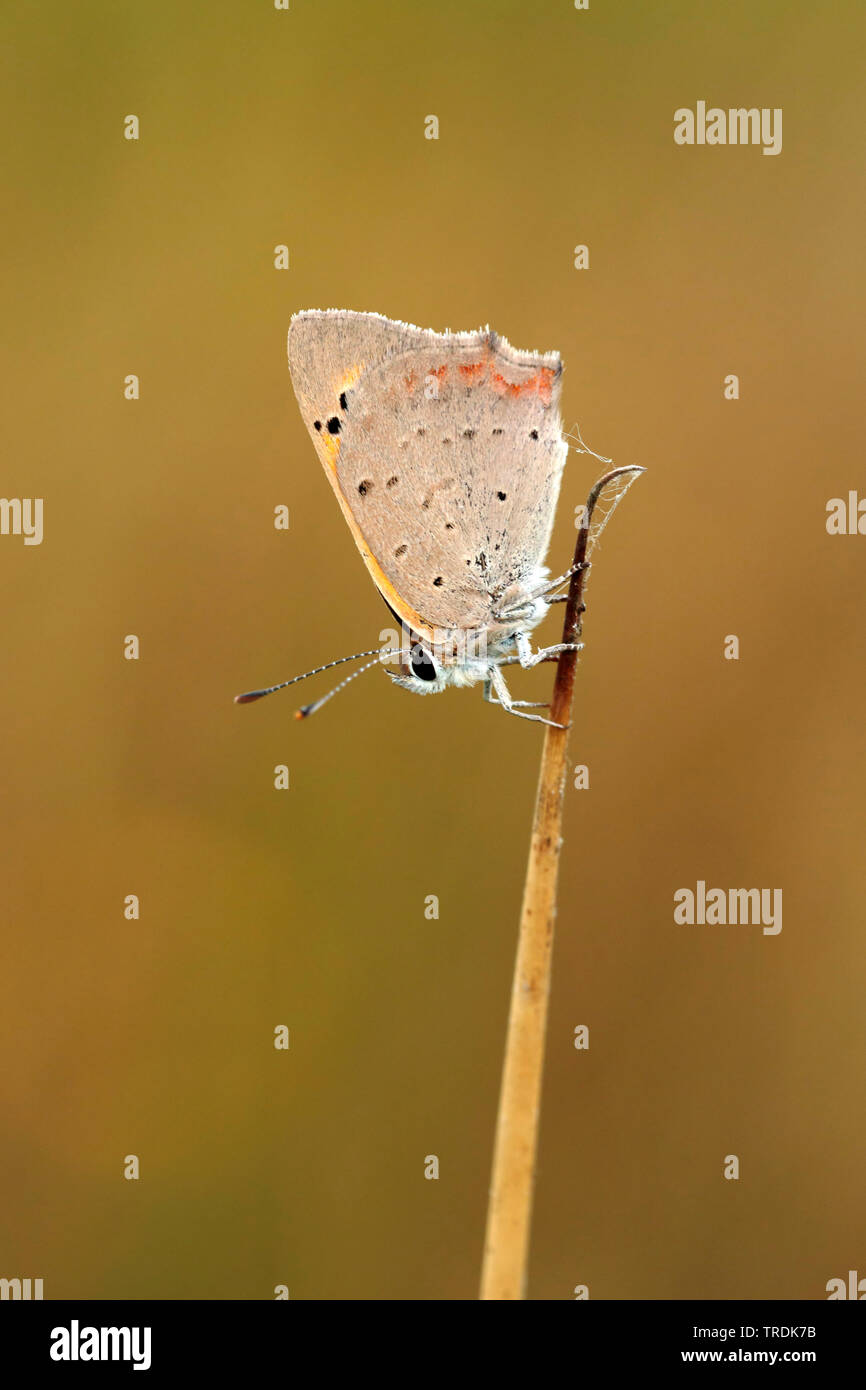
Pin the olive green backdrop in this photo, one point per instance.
(306, 907)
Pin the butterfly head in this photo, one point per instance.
(458, 659)
(419, 669)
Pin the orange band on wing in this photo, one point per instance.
(352, 376)
(330, 443)
(331, 448)
(540, 384)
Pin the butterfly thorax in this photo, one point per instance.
(463, 656)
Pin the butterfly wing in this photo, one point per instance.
(445, 452)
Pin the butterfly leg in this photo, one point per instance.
(527, 657)
(497, 682)
(515, 660)
(515, 704)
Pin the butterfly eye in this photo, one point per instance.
(422, 664)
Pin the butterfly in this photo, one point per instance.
(445, 452)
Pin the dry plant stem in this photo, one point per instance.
(508, 1219)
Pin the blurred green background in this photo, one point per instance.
(306, 907)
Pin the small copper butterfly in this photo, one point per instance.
(445, 452)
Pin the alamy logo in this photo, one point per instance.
(20, 1288)
(736, 126)
(855, 1288)
(847, 520)
(714, 907)
(74, 1343)
(22, 516)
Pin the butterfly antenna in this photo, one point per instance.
(306, 710)
(251, 695)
